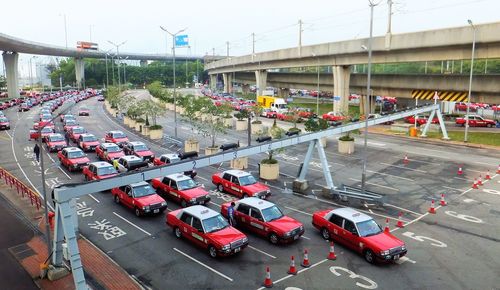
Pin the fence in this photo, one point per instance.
(21, 188)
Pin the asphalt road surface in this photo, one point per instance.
(457, 248)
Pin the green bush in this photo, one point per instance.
(269, 161)
(140, 120)
(346, 137)
(257, 122)
(155, 127)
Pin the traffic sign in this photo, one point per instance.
(436, 96)
(336, 98)
(181, 40)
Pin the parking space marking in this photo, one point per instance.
(67, 175)
(94, 198)
(132, 224)
(298, 272)
(374, 184)
(386, 174)
(404, 259)
(262, 252)
(294, 209)
(461, 178)
(216, 204)
(402, 167)
(401, 208)
(201, 177)
(447, 187)
(203, 264)
(304, 237)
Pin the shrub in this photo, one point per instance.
(269, 161)
(257, 122)
(155, 127)
(346, 137)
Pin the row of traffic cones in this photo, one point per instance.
(268, 283)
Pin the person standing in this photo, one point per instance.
(230, 214)
(36, 150)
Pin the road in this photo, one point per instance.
(453, 249)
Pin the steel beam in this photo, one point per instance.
(324, 164)
(307, 160)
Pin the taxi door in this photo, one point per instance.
(256, 222)
(350, 235)
(227, 183)
(172, 190)
(197, 233)
(126, 196)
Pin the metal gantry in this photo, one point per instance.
(64, 195)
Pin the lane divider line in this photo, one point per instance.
(262, 252)
(94, 198)
(203, 264)
(132, 224)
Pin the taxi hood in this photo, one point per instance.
(144, 153)
(256, 187)
(79, 160)
(195, 192)
(120, 140)
(149, 199)
(226, 235)
(285, 224)
(383, 241)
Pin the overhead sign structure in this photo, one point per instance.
(87, 45)
(181, 40)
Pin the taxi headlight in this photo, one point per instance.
(287, 234)
(245, 240)
(403, 247)
(384, 253)
(145, 207)
(163, 203)
(226, 247)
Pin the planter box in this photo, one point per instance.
(228, 122)
(126, 120)
(192, 145)
(211, 150)
(239, 163)
(346, 147)
(138, 126)
(156, 134)
(131, 123)
(269, 171)
(241, 125)
(322, 142)
(145, 130)
(257, 128)
(169, 106)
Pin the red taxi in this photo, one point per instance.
(88, 142)
(99, 170)
(240, 183)
(35, 134)
(69, 124)
(75, 132)
(117, 137)
(165, 159)
(55, 142)
(4, 123)
(182, 189)
(359, 232)
(476, 121)
(331, 116)
(265, 219)
(73, 158)
(140, 197)
(109, 151)
(207, 229)
(84, 111)
(138, 149)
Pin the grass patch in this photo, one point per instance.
(485, 138)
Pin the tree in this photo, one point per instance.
(3, 82)
(148, 108)
(192, 107)
(276, 133)
(214, 124)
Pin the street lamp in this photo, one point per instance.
(317, 88)
(107, 75)
(125, 72)
(118, 57)
(173, 53)
(470, 78)
(365, 146)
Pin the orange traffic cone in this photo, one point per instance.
(386, 229)
(292, 270)
(474, 185)
(460, 172)
(267, 282)
(305, 263)
(487, 177)
(479, 180)
(442, 202)
(406, 160)
(498, 169)
(432, 209)
(400, 222)
(331, 254)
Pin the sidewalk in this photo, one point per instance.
(22, 229)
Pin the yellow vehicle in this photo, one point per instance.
(272, 103)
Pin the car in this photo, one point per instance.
(100, 98)
(461, 106)
(476, 121)
(421, 120)
(359, 232)
(128, 163)
(182, 189)
(73, 158)
(332, 116)
(2, 114)
(69, 124)
(306, 113)
(375, 116)
(265, 219)
(109, 152)
(117, 137)
(4, 123)
(35, 134)
(4, 106)
(45, 116)
(99, 170)
(55, 142)
(169, 159)
(87, 142)
(207, 229)
(138, 149)
(140, 197)
(84, 111)
(75, 132)
(289, 117)
(268, 113)
(67, 117)
(24, 107)
(240, 183)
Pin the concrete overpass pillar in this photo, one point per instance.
(284, 92)
(11, 59)
(143, 63)
(228, 79)
(245, 88)
(80, 72)
(213, 82)
(341, 78)
(261, 81)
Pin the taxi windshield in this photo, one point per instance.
(76, 154)
(140, 147)
(56, 138)
(89, 138)
(272, 213)
(143, 190)
(106, 170)
(69, 117)
(3, 119)
(70, 122)
(119, 135)
(113, 148)
(247, 180)
(368, 228)
(186, 184)
(47, 130)
(214, 224)
(78, 130)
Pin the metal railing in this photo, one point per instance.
(21, 188)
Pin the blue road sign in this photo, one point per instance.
(336, 98)
(181, 40)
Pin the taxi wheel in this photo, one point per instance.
(178, 232)
(369, 257)
(117, 199)
(325, 234)
(220, 188)
(244, 195)
(212, 252)
(273, 238)
(137, 212)
(183, 203)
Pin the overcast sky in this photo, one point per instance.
(211, 23)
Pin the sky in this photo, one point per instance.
(210, 24)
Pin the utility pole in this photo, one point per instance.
(118, 58)
(300, 37)
(389, 23)
(227, 49)
(470, 80)
(253, 45)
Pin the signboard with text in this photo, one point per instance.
(181, 40)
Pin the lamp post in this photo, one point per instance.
(317, 88)
(173, 54)
(125, 72)
(118, 57)
(107, 75)
(470, 79)
(365, 146)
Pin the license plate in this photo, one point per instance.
(156, 210)
(396, 257)
(295, 237)
(236, 250)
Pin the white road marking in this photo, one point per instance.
(132, 224)
(304, 237)
(201, 177)
(477, 171)
(262, 252)
(447, 187)
(202, 264)
(67, 175)
(468, 200)
(94, 198)
(376, 143)
(401, 208)
(294, 209)
(216, 204)
(403, 167)
(426, 162)
(374, 184)
(461, 178)
(394, 176)
(404, 259)
(489, 164)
